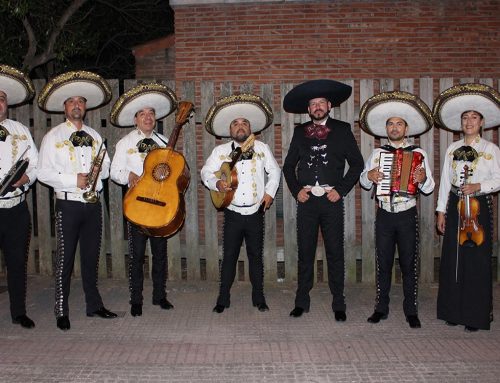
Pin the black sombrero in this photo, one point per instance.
(451, 103)
(89, 85)
(379, 108)
(16, 85)
(297, 99)
(254, 108)
(157, 96)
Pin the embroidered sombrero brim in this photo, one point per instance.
(252, 107)
(451, 103)
(152, 95)
(16, 85)
(379, 108)
(297, 99)
(89, 85)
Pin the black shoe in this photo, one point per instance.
(219, 309)
(24, 321)
(448, 323)
(376, 317)
(136, 310)
(340, 316)
(63, 323)
(297, 312)
(102, 313)
(164, 304)
(261, 306)
(470, 329)
(413, 321)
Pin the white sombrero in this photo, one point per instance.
(450, 104)
(248, 106)
(89, 85)
(379, 108)
(16, 85)
(157, 96)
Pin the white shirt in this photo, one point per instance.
(16, 142)
(485, 169)
(60, 161)
(128, 158)
(251, 176)
(374, 160)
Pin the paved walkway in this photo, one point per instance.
(192, 344)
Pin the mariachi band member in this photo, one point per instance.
(72, 161)
(16, 146)
(396, 116)
(141, 107)
(470, 175)
(237, 117)
(314, 172)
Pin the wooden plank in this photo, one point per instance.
(174, 251)
(428, 244)
(367, 204)
(270, 250)
(351, 249)
(191, 196)
(289, 203)
(487, 134)
(210, 214)
(445, 136)
(117, 241)
(42, 198)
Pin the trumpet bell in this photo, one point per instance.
(90, 196)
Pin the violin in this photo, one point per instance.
(471, 232)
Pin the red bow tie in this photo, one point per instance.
(318, 131)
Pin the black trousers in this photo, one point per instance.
(137, 247)
(15, 234)
(465, 279)
(77, 222)
(401, 230)
(237, 228)
(316, 213)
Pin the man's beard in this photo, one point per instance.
(322, 116)
(241, 138)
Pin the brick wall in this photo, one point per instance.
(292, 41)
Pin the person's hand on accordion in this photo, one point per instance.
(375, 175)
(420, 175)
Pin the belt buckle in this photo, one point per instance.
(317, 190)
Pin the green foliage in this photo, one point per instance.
(98, 36)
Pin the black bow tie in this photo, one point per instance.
(3, 133)
(465, 153)
(391, 148)
(81, 138)
(146, 145)
(248, 155)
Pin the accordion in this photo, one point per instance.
(399, 168)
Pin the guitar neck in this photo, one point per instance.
(174, 136)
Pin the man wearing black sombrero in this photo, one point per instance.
(69, 162)
(237, 117)
(18, 159)
(465, 207)
(141, 106)
(395, 116)
(314, 171)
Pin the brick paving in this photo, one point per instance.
(192, 344)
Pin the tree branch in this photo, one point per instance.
(48, 53)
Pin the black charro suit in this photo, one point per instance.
(311, 160)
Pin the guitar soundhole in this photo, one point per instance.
(161, 172)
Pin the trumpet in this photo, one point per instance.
(14, 174)
(91, 195)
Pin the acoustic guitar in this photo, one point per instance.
(228, 173)
(156, 202)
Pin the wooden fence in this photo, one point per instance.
(194, 253)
